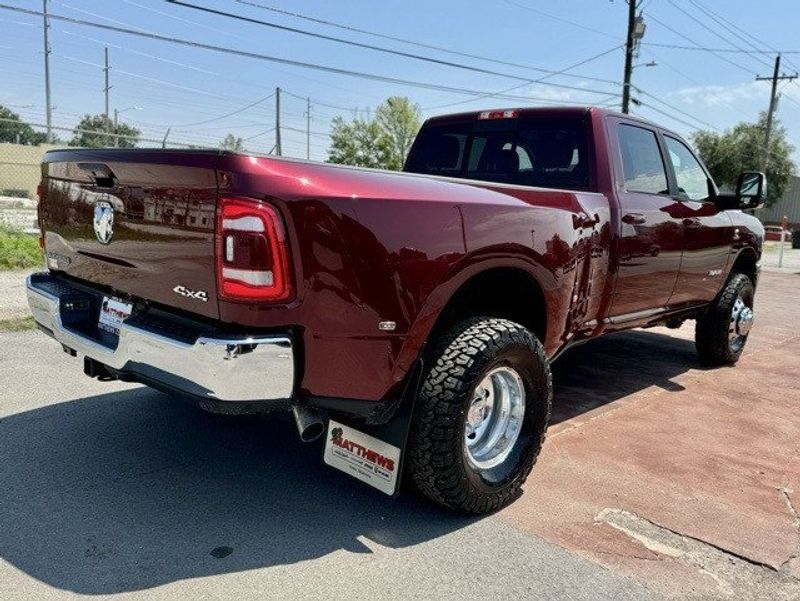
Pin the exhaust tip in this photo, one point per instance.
(310, 425)
(312, 432)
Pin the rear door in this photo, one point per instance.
(707, 231)
(651, 234)
(140, 223)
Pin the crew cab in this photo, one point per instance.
(414, 315)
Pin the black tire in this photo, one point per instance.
(437, 457)
(711, 332)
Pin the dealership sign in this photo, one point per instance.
(362, 456)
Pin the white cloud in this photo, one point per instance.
(715, 95)
(546, 92)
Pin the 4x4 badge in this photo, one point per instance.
(200, 295)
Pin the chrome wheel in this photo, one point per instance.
(742, 317)
(494, 418)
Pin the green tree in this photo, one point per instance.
(93, 132)
(231, 142)
(382, 142)
(741, 149)
(360, 143)
(15, 130)
(401, 120)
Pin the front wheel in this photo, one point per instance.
(722, 331)
(480, 419)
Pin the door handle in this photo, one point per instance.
(633, 218)
(691, 222)
(582, 220)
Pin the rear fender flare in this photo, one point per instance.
(438, 299)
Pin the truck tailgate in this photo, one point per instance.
(138, 222)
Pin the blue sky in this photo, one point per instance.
(175, 87)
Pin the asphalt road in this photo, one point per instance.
(109, 489)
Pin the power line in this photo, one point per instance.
(162, 82)
(274, 59)
(226, 115)
(744, 34)
(170, 62)
(741, 33)
(674, 108)
(690, 40)
(666, 114)
(96, 132)
(259, 134)
(417, 44)
(724, 24)
(344, 41)
(712, 31)
(196, 24)
(140, 53)
(540, 80)
(700, 48)
(561, 19)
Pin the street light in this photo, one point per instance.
(116, 120)
(650, 64)
(130, 108)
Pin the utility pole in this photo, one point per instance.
(107, 89)
(278, 149)
(308, 129)
(629, 44)
(773, 104)
(49, 108)
(636, 29)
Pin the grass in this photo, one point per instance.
(18, 250)
(17, 324)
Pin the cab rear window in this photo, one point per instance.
(546, 152)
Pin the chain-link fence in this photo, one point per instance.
(19, 176)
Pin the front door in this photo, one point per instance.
(708, 232)
(651, 238)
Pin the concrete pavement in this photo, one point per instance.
(113, 489)
(659, 480)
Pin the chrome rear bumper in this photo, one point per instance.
(224, 368)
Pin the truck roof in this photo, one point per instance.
(560, 111)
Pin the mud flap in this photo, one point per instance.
(374, 454)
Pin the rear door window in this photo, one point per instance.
(642, 163)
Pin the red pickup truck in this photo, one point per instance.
(415, 315)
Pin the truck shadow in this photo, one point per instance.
(612, 367)
(128, 491)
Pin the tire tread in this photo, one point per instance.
(434, 464)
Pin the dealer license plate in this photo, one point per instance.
(362, 456)
(113, 312)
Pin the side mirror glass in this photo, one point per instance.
(751, 190)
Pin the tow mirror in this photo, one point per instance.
(751, 190)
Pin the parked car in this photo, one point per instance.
(416, 313)
(774, 232)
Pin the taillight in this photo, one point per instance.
(252, 252)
